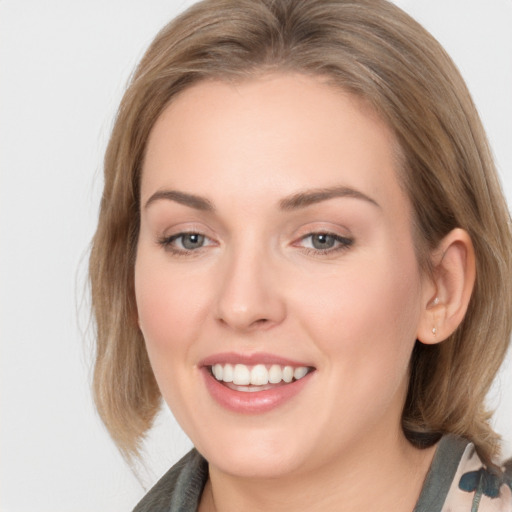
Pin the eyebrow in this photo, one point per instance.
(191, 200)
(317, 195)
(293, 202)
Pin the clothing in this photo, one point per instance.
(456, 482)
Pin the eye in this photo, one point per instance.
(185, 242)
(190, 241)
(325, 242)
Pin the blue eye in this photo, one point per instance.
(325, 242)
(185, 242)
(191, 241)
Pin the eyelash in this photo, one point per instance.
(343, 243)
(168, 243)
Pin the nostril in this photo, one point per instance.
(249, 325)
(261, 322)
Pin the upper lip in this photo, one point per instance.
(250, 359)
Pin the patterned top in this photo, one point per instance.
(476, 489)
(457, 481)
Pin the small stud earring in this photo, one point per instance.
(434, 331)
(436, 301)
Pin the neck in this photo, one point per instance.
(385, 475)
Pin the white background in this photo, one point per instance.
(63, 67)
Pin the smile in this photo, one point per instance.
(254, 384)
(258, 377)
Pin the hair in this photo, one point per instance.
(369, 48)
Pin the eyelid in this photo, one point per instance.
(344, 240)
(184, 228)
(167, 243)
(317, 227)
(181, 234)
(171, 234)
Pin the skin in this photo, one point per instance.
(257, 284)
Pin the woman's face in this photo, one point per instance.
(275, 245)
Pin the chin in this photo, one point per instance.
(258, 454)
(248, 464)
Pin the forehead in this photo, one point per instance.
(270, 135)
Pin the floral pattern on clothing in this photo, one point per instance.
(477, 489)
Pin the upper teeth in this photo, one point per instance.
(259, 375)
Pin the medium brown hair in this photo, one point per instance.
(375, 51)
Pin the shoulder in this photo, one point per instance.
(458, 481)
(179, 490)
(476, 487)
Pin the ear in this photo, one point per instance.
(447, 293)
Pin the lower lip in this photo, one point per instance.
(255, 402)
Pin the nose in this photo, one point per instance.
(251, 295)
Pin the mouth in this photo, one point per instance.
(259, 377)
(256, 383)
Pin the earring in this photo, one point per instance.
(434, 331)
(436, 301)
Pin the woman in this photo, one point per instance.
(304, 249)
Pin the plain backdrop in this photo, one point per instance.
(63, 68)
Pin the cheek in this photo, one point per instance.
(366, 319)
(168, 307)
